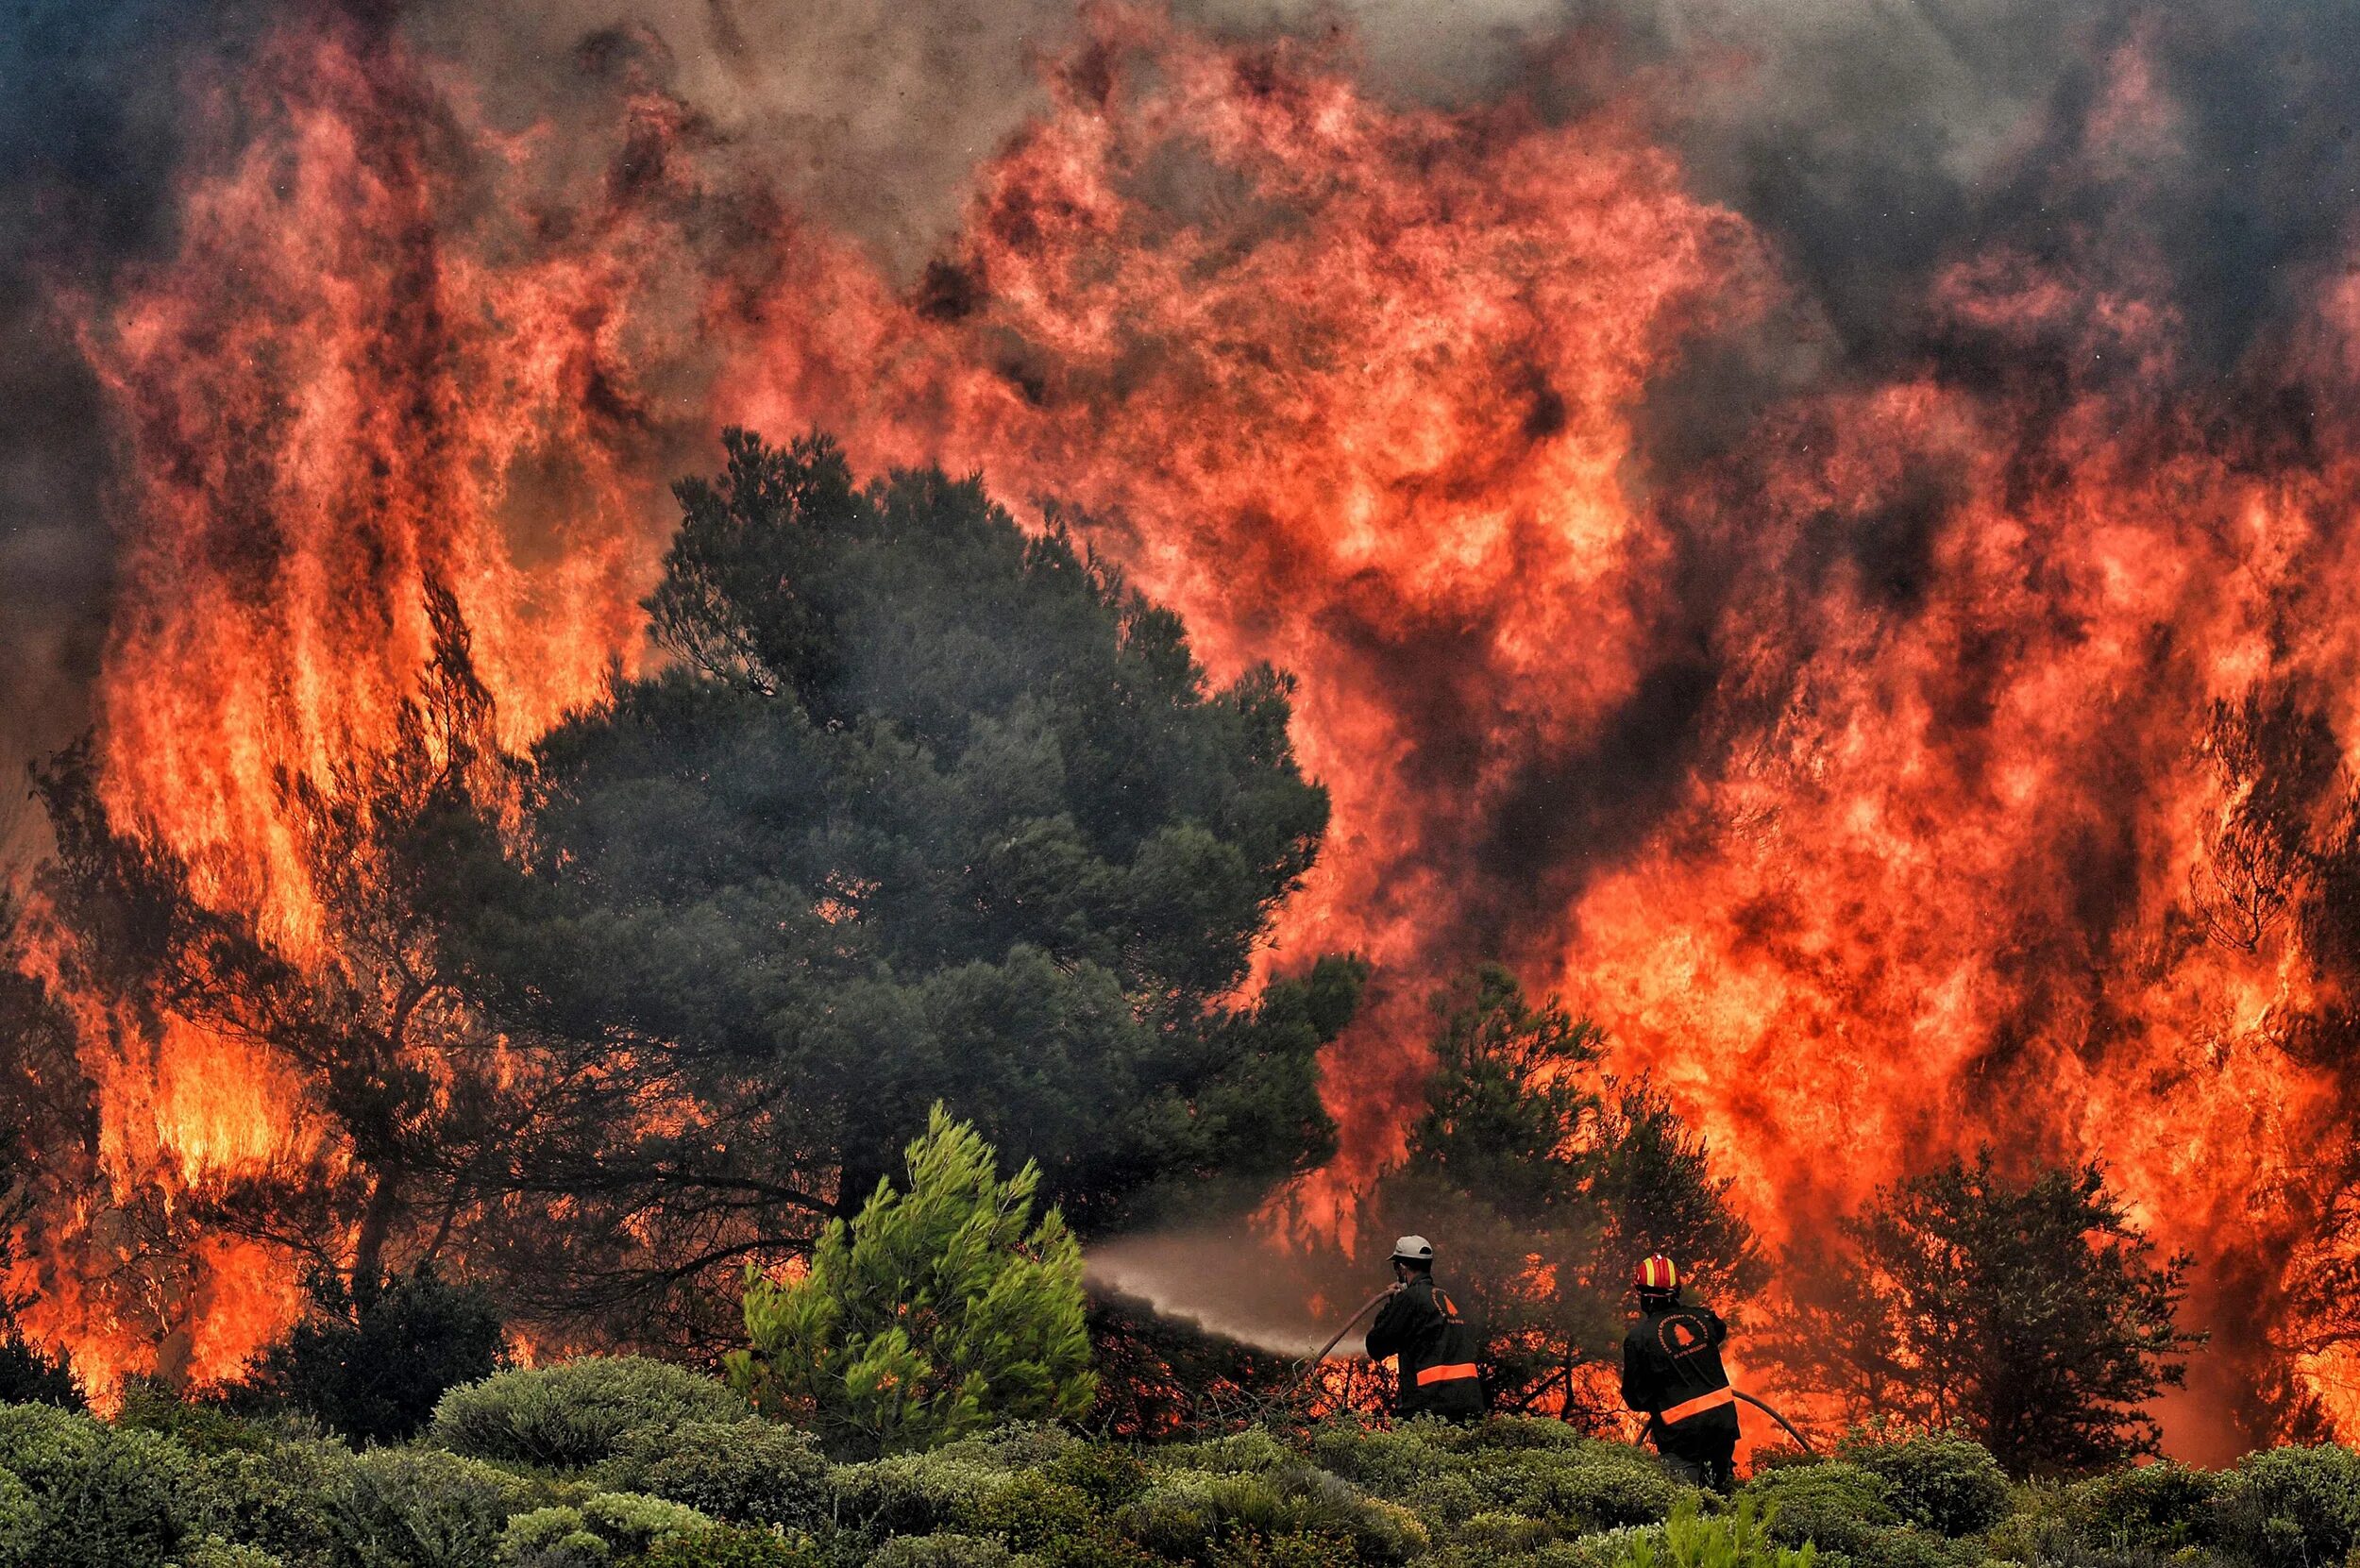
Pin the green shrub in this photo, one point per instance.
(1837, 1505)
(1287, 1551)
(93, 1496)
(1939, 1480)
(285, 1498)
(198, 1427)
(214, 1552)
(2290, 1507)
(915, 1494)
(1030, 1512)
(1488, 1536)
(21, 1521)
(941, 1551)
(576, 1414)
(1604, 1549)
(421, 1507)
(635, 1522)
(552, 1538)
(1585, 1485)
(1108, 1475)
(1190, 1515)
(935, 1312)
(732, 1547)
(1734, 1539)
(2163, 1506)
(746, 1472)
(372, 1362)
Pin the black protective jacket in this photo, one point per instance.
(1672, 1371)
(1420, 1324)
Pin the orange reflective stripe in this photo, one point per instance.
(1445, 1375)
(1697, 1405)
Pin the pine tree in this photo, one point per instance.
(2031, 1315)
(932, 1314)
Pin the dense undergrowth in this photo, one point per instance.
(613, 1463)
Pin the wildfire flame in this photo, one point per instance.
(1852, 774)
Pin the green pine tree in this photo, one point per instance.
(933, 1314)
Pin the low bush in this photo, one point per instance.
(732, 1548)
(2163, 1506)
(90, 1495)
(1193, 1515)
(1587, 1486)
(941, 1551)
(745, 1472)
(577, 1414)
(1945, 1482)
(2290, 1507)
(1836, 1506)
(918, 1494)
(214, 1552)
(422, 1507)
(286, 1498)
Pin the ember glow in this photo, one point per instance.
(1857, 765)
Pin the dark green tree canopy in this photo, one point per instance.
(926, 808)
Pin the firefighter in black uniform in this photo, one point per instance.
(1420, 1326)
(1672, 1371)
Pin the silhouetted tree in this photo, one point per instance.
(1542, 1181)
(2032, 1316)
(920, 808)
(370, 1362)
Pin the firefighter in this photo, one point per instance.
(1672, 1371)
(1420, 1324)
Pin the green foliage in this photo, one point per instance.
(2162, 1506)
(941, 1551)
(290, 1497)
(746, 1472)
(732, 1548)
(372, 1360)
(422, 1507)
(1738, 1539)
(576, 1414)
(2290, 1507)
(90, 1495)
(936, 1313)
(1941, 1481)
(214, 1552)
(1193, 1515)
(604, 1527)
(1838, 1506)
(2032, 1317)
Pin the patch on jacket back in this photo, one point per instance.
(1682, 1336)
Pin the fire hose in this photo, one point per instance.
(1313, 1365)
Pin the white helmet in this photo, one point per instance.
(1413, 1248)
